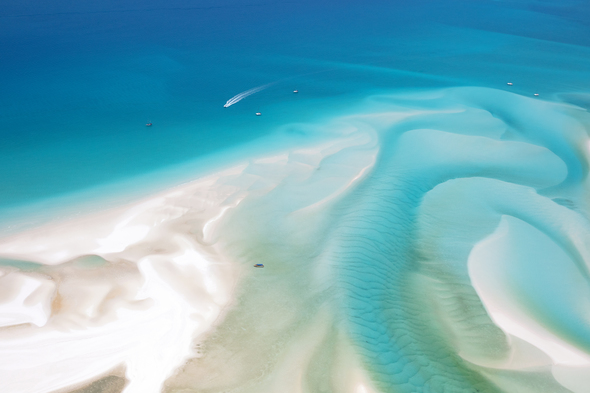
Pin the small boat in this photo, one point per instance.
(148, 124)
(259, 265)
(258, 113)
(509, 83)
(536, 94)
(295, 91)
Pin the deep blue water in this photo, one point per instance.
(80, 79)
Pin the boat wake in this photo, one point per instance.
(244, 94)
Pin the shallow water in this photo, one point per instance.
(81, 81)
(423, 224)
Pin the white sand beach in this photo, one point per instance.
(136, 287)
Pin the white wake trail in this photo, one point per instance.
(244, 94)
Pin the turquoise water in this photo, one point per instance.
(401, 247)
(80, 81)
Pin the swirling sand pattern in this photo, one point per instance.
(391, 258)
(405, 288)
(400, 301)
(436, 242)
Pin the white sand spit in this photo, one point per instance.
(139, 284)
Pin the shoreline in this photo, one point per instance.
(160, 254)
(174, 268)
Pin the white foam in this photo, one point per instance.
(238, 97)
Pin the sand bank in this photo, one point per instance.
(400, 254)
(138, 285)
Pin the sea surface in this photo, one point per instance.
(457, 258)
(80, 80)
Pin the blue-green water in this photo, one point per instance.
(80, 81)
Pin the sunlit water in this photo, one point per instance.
(420, 204)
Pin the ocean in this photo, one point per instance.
(460, 167)
(80, 81)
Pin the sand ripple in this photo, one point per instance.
(434, 242)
